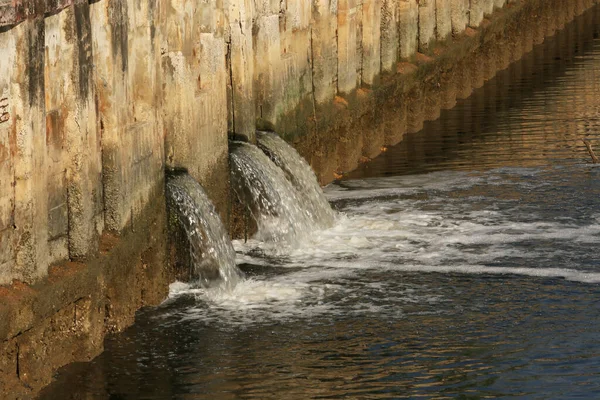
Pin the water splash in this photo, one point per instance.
(211, 251)
(274, 202)
(301, 175)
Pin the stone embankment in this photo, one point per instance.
(99, 97)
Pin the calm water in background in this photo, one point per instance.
(464, 263)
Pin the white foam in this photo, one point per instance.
(565, 273)
(340, 269)
(439, 232)
(442, 181)
(254, 293)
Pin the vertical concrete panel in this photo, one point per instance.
(211, 97)
(9, 97)
(32, 254)
(488, 6)
(179, 70)
(56, 142)
(241, 64)
(443, 15)
(23, 196)
(459, 15)
(8, 73)
(268, 90)
(298, 14)
(408, 27)
(110, 43)
(195, 88)
(267, 7)
(371, 44)
(84, 240)
(296, 74)
(348, 58)
(359, 41)
(324, 51)
(127, 88)
(70, 96)
(389, 34)
(427, 23)
(475, 12)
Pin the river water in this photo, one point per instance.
(464, 263)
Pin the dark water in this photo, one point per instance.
(464, 264)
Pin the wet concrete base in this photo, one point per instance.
(66, 317)
(336, 137)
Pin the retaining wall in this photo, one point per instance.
(97, 98)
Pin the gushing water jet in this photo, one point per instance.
(212, 256)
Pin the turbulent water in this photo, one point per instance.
(211, 253)
(308, 193)
(286, 210)
(464, 264)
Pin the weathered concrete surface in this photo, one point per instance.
(347, 39)
(427, 23)
(459, 15)
(476, 12)
(65, 317)
(371, 41)
(443, 19)
(97, 98)
(240, 63)
(24, 221)
(195, 76)
(324, 51)
(128, 87)
(389, 37)
(70, 100)
(421, 84)
(408, 27)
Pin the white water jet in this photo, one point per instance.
(282, 211)
(211, 251)
(301, 175)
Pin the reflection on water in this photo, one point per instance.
(534, 113)
(464, 263)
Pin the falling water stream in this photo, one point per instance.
(287, 206)
(462, 263)
(308, 193)
(211, 253)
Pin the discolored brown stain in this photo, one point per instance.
(83, 31)
(66, 269)
(35, 61)
(118, 17)
(54, 130)
(16, 291)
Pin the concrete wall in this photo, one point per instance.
(96, 98)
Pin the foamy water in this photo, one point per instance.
(486, 223)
